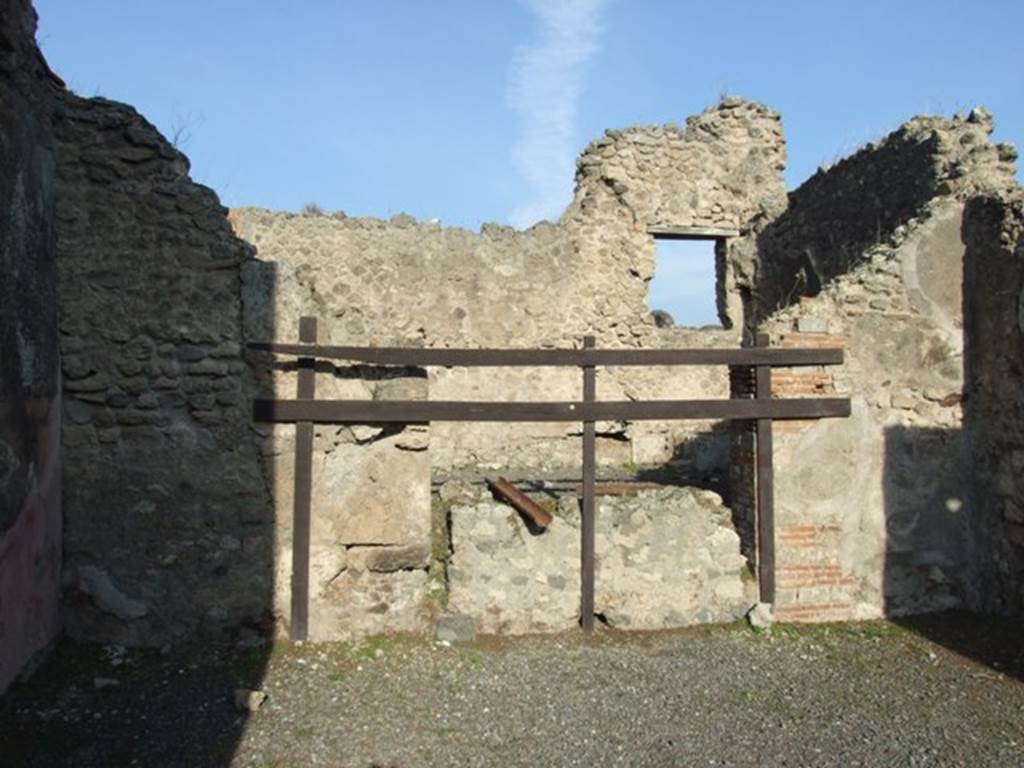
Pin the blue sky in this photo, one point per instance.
(474, 110)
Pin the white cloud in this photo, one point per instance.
(543, 87)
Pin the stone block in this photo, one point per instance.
(455, 628)
(812, 324)
(665, 558)
(357, 604)
(326, 563)
(508, 580)
(96, 583)
(388, 559)
(372, 494)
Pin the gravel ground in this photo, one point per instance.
(941, 691)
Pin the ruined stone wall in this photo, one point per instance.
(403, 282)
(179, 509)
(835, 219)
(873, 513)
(993, 393)
(169, 528)
(408, 282)
(722, 171)
(30, 510)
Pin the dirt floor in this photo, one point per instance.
(945, 690)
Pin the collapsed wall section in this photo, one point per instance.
(30, 503)
(994, 397)
(873, 514)
(169, 528)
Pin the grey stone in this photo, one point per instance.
(79, 412)
(208, 367)
(388, 559)
(361, 603)
(248, 700)
(512, 582)
(461, 491)
(761, 616)
(662, 319)
(190, 353)
(811, 324)
(372, 494)
(97, 583)
(455, 628)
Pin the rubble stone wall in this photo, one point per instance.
(406, 282)
(30, 503)
(409, 283)
(994, 396)
(836, 219)
(169, 528)
(873, 513)
(665, 558)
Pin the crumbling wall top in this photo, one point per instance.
(876, 197)
(723, 169)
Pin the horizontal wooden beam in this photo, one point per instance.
(690, 233)
(425, 411)
(557, 357)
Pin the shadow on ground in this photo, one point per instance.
(993, 641)
(884, 693)
(93, 705)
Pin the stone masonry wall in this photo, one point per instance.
(669, 557)
(30, 511)
(403, 282)
(407, 282)
(835, 219)
(993, 393)
(722, 171)
(873, 513)
(179, 509)
(169, 528)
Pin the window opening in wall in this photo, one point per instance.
(682, 292)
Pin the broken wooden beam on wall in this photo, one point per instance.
(523, 503)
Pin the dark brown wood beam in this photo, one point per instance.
(303, 497)
(557, 357)
(765, 485)
(588, 563)
(422, 412)
(520, 501)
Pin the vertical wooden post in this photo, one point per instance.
(765, 482)
(301, 522)
(587, 523)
